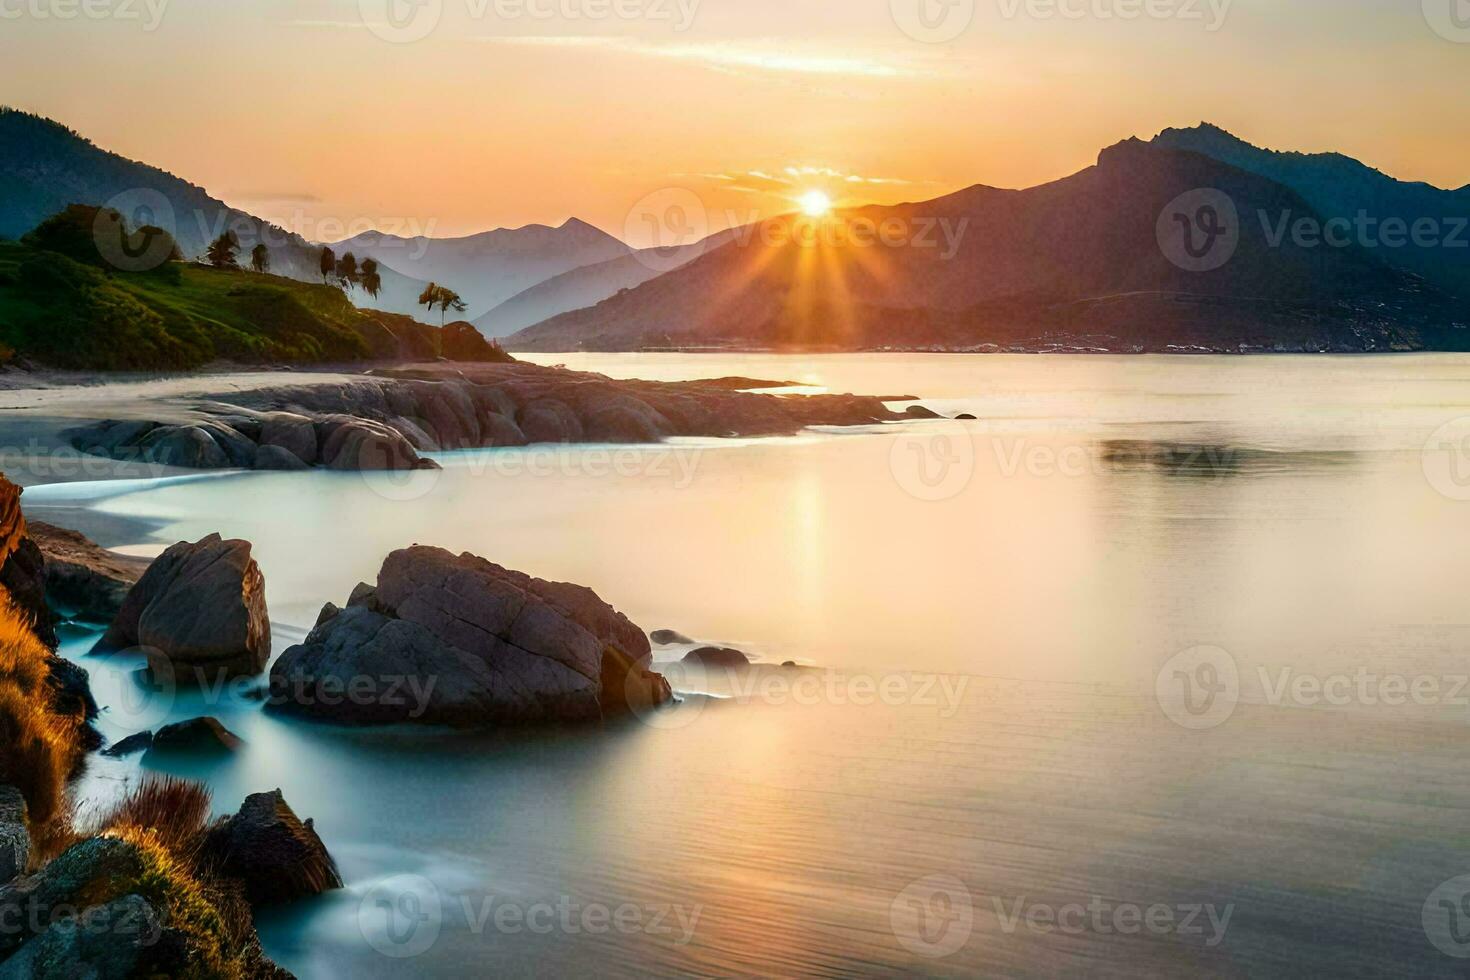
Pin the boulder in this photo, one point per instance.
(141, 742)
(498, 431)
(198, 736)
(362, 445)
(414, 431)
(485, 645)
(274, 855)
(966, 417)
(184, 446)
(15, 839)
(665, 637)
(623, 418)
(111, 438)
(278, 458)
(200, 612)
(920, 412)
(240, 450)
(117, 940)
(294, 433)
(83, 580)
(717, 657)
(549, 420)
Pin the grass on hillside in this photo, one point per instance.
(67, 314)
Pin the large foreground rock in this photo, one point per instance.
(457, 640)
(199, 611)
(82, 579)
(274, 856)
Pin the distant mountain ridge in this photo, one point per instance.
(591, 284)
(1338, 186)
(489, 268)
(1076, 264)
(45, 166)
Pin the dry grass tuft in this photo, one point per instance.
(175, 810)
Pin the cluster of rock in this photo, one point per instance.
(385, 422)
(113, 905)
(499, 646)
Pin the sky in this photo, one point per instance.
(449, 117)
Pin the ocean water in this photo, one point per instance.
(1157, 667)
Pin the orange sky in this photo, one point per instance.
(517, 111)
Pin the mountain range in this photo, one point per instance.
(1100, 260)
(491, 267)
(44, 166)
(1081, 263)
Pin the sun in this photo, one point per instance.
(815, 204)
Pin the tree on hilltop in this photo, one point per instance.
(372, 280)
(328, 264)
(222, 251)
(260, 258)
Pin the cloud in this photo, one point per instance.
(791, 178)
(773, 57)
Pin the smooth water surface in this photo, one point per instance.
(1008, 635)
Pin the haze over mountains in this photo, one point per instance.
(44, 166)
(1080, 263)
(491, 267)
(591, 284)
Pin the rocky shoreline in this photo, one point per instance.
(387, 419)
(445, 640)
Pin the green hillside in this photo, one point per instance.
(64, 313)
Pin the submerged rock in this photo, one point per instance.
(199, 611)
(458, 640)
(666, 637)
(140, 742)
(198, 736)
(717, 657)
(275, 856)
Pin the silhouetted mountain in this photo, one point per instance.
(1338, 186)
(489, 268)
(44, 166)
(591, 284)
(1095, 261)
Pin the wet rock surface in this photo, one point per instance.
(199, 611)
(458, 640)
(383, 421)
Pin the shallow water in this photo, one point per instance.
(989, 731)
